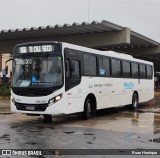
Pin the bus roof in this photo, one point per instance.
(91, 50)
(106, 53)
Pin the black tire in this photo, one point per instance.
(47, 119)
(87, 109)
(135, 101)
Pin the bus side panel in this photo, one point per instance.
(74, 99)
(105, 92)
(146, 91)
(89, 85)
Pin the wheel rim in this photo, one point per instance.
(88, 109)
(135, 102)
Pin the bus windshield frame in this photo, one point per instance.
(39, 69)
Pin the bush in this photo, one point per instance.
(5, 90)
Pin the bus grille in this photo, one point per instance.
(37, 107)
(33, 93)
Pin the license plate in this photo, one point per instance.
(30, 108)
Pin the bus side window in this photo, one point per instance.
(149, 72)
(104, 67)
(126, 69)
(102, 70)
(142, 71)
(135, 70)
(90, 65)
(75, 70)
(116, 68)
(68, 69)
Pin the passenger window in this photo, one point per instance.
(86, 64)
(68, 73)
(149, 72)
(142, 71)
(75, 70)
(104, 67)
(116, 68)
(93, 65)
(90, 65)
(135, 71)
(126, 69)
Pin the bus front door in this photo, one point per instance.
(72, 80)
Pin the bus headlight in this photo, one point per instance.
(55, 99)
(13, 99)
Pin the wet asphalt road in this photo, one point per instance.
(110, 129)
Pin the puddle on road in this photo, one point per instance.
(31, 143)
(143, 120)
(89, 143)
(156, 140)
(30, 130)
(138, 121)
(5, 138)
(68, 132)
(88, 134)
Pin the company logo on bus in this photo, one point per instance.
(128, 85)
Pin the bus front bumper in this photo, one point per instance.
(54, 109)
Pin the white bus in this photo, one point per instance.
(51, 78)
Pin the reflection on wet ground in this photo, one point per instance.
(156, 140)
(118, 128)
(143, 120)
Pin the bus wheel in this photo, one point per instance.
(47, 119)
(87, 109)
(135, 101)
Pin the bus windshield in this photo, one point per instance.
(43, 71)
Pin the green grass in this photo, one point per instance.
(5, 89)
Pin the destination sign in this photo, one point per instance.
(36, 49)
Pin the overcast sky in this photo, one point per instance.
(142, 16)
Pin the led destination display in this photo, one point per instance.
(36, 49)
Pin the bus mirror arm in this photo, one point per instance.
(6, 66)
